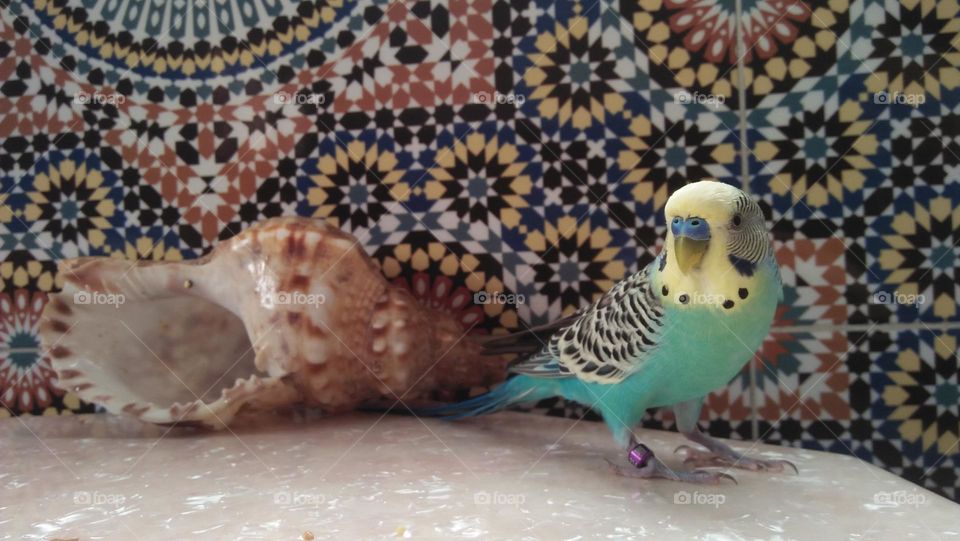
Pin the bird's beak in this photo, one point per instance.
(691, 238)
(689, 252)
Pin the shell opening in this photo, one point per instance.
(191, 347)
(159, 351)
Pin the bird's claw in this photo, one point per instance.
(700, 477)
(709, 477)
(699, 458)
(783, 465)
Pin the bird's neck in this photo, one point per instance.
(717, 284)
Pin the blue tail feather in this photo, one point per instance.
(514, 391)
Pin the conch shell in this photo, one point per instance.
(289, 312)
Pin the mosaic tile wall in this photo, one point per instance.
(525, 147)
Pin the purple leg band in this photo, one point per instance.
(640, 455)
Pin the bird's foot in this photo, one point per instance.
(726, 457)
(644, 465)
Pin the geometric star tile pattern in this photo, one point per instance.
(888, 398)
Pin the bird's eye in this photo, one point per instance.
(737, 220)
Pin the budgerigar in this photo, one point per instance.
(665, 336)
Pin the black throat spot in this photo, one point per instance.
(743, 266)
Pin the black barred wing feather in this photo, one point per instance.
(605, 342)
(529, 341)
